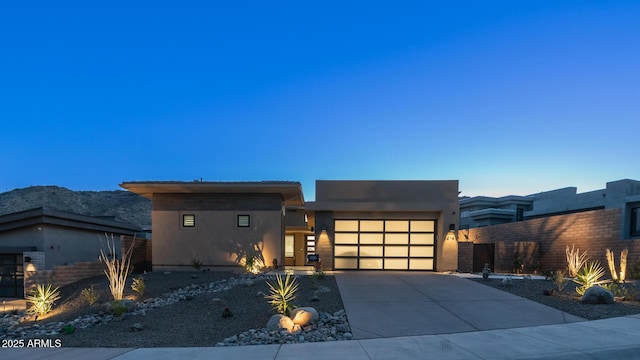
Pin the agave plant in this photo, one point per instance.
(42, 299)
(589, 275)
(283, 292)
(575, 260)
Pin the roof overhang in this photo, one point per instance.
(290, 191)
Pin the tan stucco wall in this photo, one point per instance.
(434, 200)
(215, 240)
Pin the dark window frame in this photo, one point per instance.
(184, 220)
(248, 223)
(634, 228)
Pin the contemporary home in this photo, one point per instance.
(218, 224)
(44, 238)
(358, 225)
(624, 194)
(531, 232)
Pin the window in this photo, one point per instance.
(311, 244)
(635, 221)
(243, 221)
(519, 214)
(289, 246)
(188, 220)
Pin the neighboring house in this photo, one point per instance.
(624, 194)
(386, 225)
(531, 232)
(45, 238)
(217, 224)
(383, 225)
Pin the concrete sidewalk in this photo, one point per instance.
(393, 304)
(616, 338)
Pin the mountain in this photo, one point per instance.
(124, 205)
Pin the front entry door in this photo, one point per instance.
(301, 254)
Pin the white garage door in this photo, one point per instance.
(384, 244)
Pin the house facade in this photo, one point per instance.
(43, 239)
(352, 225)
(217, 224)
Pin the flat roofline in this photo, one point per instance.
(291, 191)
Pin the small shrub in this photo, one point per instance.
(68, 329)
(588, 276)
(621, 291)
(227, 313)
(252, 264)
(138, 285)
(42, 299)
(282, 294)
(197, 264)
(559, 280)
(118, 308)
(90, 295)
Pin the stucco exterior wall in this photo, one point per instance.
(23, 237)
(66, 246)
(216, 240)
(426, 200)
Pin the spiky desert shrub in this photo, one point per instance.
(117, 269)
(559, 280)
(588, 276)
(575, 260)
(282, 294)
(138, 285)
(42, 299)
(90, 295)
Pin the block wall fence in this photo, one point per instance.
(541, 243)
(68, 274)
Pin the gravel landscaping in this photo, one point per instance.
(184, 309)
(566, 300)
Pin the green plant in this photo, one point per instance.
(197, 264)
(588, 276)
(227, 313)
(621, 290)
(518, 265)
(282, 294)
(252, 264)
(559, 280)
(68, 329)
(118, 308)
(575, 260)
(42, 299)
(90, 295)
(117, 269)
(138, 285)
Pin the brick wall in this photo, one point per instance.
(64, 275)
(465, 256)
(544, 240)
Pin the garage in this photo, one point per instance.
(384, 244)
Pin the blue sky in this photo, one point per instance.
(509, 97)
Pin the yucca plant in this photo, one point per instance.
(283, 292)
(42, 299)
(588, 276)
(575, 260)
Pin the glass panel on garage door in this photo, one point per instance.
(384, 244)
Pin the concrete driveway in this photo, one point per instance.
(392, 304)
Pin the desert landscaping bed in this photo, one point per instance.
(566, 300)
(192, 315)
